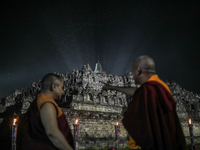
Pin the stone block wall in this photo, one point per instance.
(98, 133)
(196, 132)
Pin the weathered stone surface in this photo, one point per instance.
(97, 110)
(2, 109)
(99, 133)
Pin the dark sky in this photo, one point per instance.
(38, 38)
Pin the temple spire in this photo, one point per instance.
(98, 67)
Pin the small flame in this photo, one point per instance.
(190, 121)
(14, 121)
(117, 123)
(76, 121)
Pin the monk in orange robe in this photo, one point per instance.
(47, 127)
(151, 119)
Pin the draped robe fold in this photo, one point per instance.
(151, 119)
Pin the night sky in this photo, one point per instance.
(38, 38)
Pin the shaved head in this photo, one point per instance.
(48, 80)
(146, 64)
(143, 69)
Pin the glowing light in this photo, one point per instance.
(76, 121)
(190, 121)
(14, 121)
(117, 123)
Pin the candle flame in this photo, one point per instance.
(76, 121)
(190, 121)
(117, 123)
(14, 121)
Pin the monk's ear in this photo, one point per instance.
(52, 87)
(139, 71)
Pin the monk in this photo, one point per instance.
(151, 119)
(47, 127)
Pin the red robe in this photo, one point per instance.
(151, 119)
(36, 138)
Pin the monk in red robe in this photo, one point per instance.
(151, 119)
(47, 127)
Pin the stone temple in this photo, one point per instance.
(98, 111)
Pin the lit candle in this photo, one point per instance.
(191, 133)
(14, 134)
(117, 128)
(75, 134)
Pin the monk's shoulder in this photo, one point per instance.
(41, 99)
(149, 85)
(154, 86)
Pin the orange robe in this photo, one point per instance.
(147, 138)
(35, 137)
